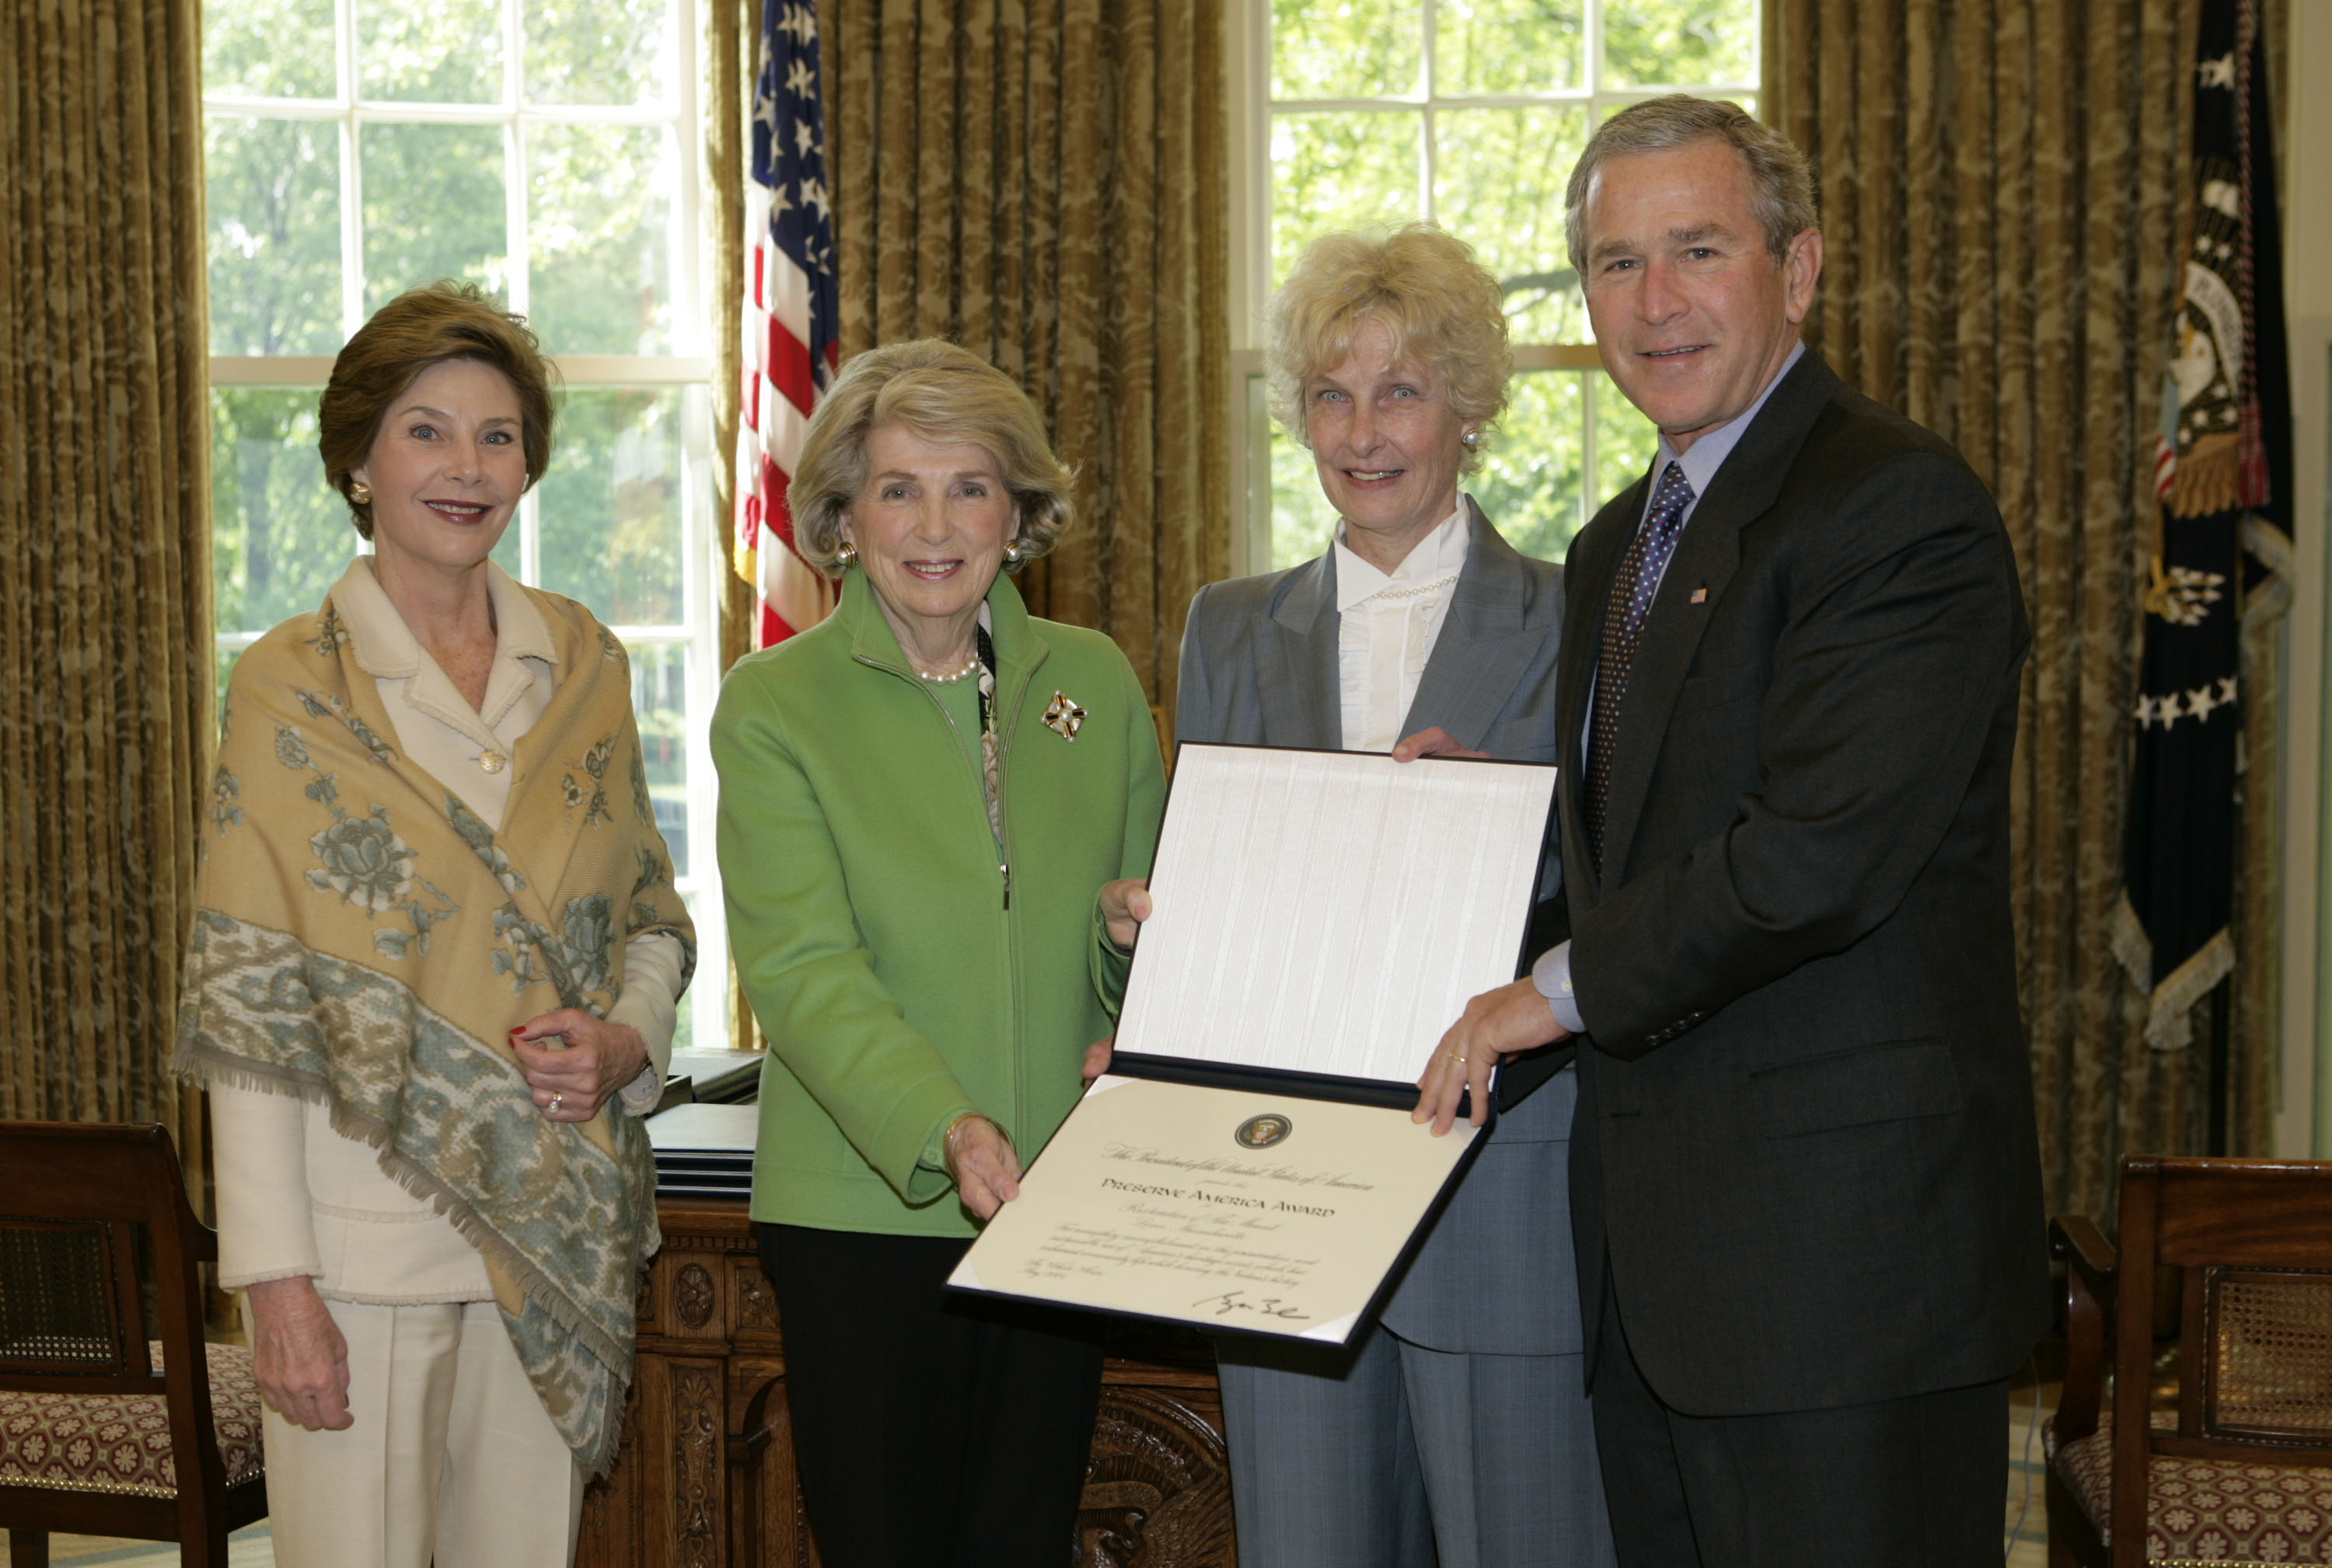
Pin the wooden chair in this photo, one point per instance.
(2241, 1471)
(103, 1431)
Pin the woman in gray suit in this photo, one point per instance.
(1458, 1427)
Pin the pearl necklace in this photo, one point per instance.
(1416, 589)
(969, 664)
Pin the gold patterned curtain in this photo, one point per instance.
(2002, 189)
(1043, 183)
(105, 682)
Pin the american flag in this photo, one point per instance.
(791, 325)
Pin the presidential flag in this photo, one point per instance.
(790, 321)
(2222, 468)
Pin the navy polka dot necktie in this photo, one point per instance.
(1638, 580)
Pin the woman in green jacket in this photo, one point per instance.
(919, 798)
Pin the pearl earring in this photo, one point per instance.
(847, 557)
(1012, 556)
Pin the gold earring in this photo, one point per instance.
(361, 495)
(848, 556)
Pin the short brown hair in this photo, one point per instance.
(419, 328)
(944, 394)
(1781, 181)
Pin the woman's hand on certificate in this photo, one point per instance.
(1124, 906)
(981, 1161)
(1097, 1056)
(1499, 1023)
(1436, 742)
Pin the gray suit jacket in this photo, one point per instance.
(1494, 1275)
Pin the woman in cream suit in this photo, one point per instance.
(437, 949)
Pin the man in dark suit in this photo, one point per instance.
(1805, 1182)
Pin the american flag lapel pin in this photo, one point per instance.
(1700, 595)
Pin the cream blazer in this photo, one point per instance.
(296, 1198)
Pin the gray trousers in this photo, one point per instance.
(1395, 1454)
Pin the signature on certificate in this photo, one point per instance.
(1231, 1301)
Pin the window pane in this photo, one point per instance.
(1624, 442)
(598, 221)
(611, 506)
(596, 50)
(1351, 49)
(1508, 46)
(280, 535)
(432, 208)
(1678, 42)
(268, 48)
(660, 703)
(1531, 482)
(1498, 179)
(274, 220)
(1302, 521)
(1337, 171)
(430, 51)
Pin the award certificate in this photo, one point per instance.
(1225, 1209)
(1320, 919)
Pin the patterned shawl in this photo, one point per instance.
(363, 939)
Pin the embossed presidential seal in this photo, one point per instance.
(1262, 1131)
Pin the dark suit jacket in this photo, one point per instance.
(1805, 1140)
(1260, 667)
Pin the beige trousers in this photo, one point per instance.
(451, 1456)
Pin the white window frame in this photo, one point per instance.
(691, 366)
(1248, 58)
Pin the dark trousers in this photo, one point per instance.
(1909, 1483)
(929, 1431)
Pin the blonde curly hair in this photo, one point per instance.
(1423, 285)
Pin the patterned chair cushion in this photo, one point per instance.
(2214, 1511)
(122, 1442)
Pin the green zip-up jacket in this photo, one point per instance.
(904, 971)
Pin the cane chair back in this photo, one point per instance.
(2250, 1241)
(112, 1429)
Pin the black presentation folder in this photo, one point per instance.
(1016, 1257)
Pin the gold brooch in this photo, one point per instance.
(1062, 716)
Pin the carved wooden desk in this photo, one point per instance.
(706, 1475)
